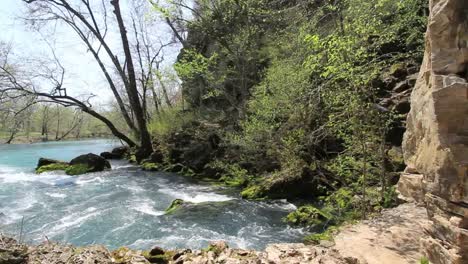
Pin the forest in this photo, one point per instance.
(304, 100)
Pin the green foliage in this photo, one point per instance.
(77, 169)
(169, 121)
(298, 82)
(233, 174)
(424, 260)
(52, 167)
(150, 166)
(307, 215)
(253, 192)
(327, 235)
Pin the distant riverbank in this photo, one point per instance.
(22, 139)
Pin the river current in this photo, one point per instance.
(125, 206)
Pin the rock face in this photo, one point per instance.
(436, 142)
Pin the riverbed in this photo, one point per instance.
(125, 206)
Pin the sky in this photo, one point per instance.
(83, 76)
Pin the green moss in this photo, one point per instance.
(52, 167)
(424, 260)
(316, 238)
(253, 192)
(119, 254)
(176, 204)
(308, 216)
(159, 259)
(150, 166)
(132, 158)
(213, 248)
(77, 169)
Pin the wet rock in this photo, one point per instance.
(156, 157)
(175, 205)
(120, 152)
(110, 155)
(46, 161)
(157, 251)
(93, 162)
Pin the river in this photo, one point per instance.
(125, 206)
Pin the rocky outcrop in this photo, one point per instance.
(436, 142)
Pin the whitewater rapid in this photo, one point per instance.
(126, 206)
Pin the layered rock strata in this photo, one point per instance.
(436, 141)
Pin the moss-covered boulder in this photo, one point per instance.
(52, 167)
(45, 161)
(93, 162)
(175, 205)
(77, 169)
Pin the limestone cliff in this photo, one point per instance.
(436, 141)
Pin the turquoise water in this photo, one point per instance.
(125, 206)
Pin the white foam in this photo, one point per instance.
(12, 175)
(56, 195)
(70, 221)
(147, 208)
(197, 197)
(123, 166)
(91, 180)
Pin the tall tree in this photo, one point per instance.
(91, 24)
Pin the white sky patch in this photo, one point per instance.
(83, 75)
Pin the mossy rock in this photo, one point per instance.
(77, 169)
(397, 161)
(307, 216)
(150, 166)
(175, 205)
(52, 167)
(158, 259)
(132, 159)
(253, 192)
(216, 247)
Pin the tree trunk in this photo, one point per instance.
(111, 127)
(146, 146)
